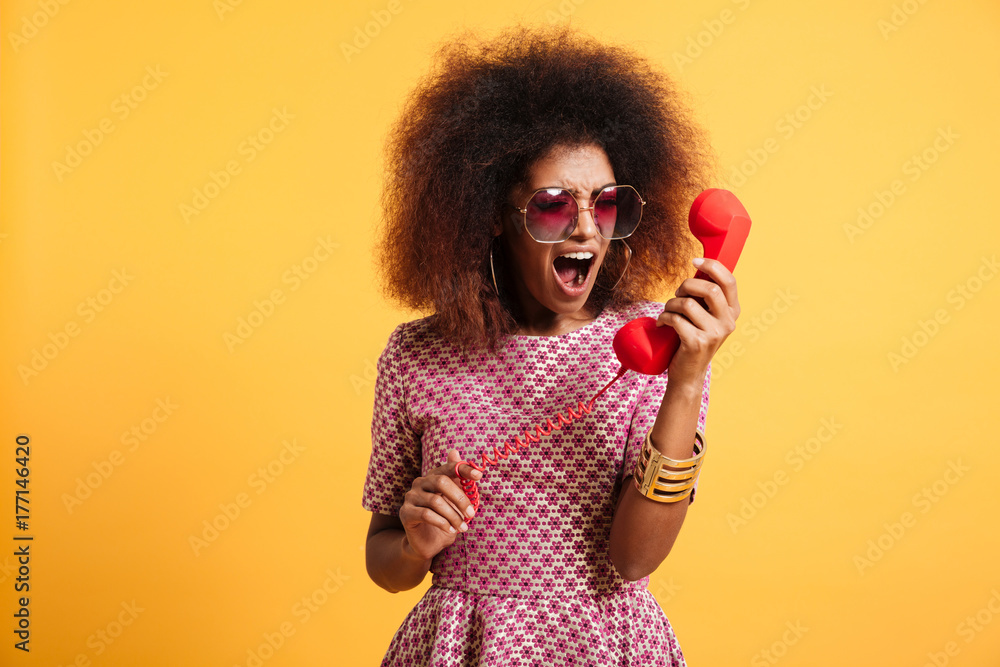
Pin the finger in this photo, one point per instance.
(467, 471)
(687, 331)
(692, 311)
(723, 277)
(411, 514)
(708, 294)
(708, 328)
(444, 481)
(445, 485)
(440, 506)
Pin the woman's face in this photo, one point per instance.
(551, 288)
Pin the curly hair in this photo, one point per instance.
(471, 130)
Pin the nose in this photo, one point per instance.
(586, 224)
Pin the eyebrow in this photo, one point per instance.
(574, 191)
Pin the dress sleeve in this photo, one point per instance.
(645, 414)
(396, 452)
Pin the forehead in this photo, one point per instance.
(580, 169)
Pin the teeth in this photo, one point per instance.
(581, 278)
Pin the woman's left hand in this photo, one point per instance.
(701, 331)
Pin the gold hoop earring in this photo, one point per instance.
(493, 273)
(628, 261)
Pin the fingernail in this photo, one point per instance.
(451, 529)
(698, 261)
(470, 511)
(464, 526)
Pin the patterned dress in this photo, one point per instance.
(530, 583)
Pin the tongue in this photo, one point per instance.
(566, 268)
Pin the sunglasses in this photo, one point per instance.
(551, 214)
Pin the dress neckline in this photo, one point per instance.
(604, 313)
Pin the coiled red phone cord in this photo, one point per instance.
(471, 487)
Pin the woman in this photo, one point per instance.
(517, 171)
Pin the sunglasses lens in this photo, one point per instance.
(618, 211)
(551, 215)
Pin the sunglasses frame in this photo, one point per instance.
(580, 209)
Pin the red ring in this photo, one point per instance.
(457, 473)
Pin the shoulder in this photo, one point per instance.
(400, 359)
(413, 337)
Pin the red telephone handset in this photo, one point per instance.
(720, 222)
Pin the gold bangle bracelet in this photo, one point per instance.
(654, 478)
(699, 451)
(666, 492)
(648, 459)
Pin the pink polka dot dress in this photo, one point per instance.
(531, 582)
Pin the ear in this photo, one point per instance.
(498, 222)
(509, 212)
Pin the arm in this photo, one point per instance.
(643, 531)
(399, 550)
(390, 563)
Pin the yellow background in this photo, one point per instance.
(892, 77)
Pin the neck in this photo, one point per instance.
(544, 322)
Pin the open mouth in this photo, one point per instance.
(573, 270)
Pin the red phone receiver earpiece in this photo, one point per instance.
(719, 221)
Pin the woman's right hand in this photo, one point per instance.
(435, 509)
